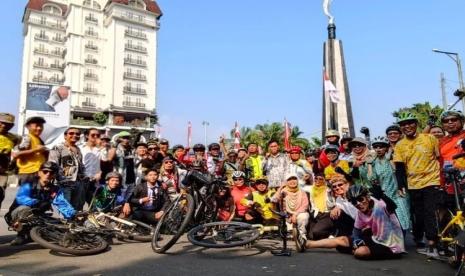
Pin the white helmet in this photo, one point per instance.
(238, 174)
(380, 140)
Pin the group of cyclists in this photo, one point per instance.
(356, 195)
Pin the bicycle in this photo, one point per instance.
(194, 206)
(62, 236)
(452, 236)
(233, 234)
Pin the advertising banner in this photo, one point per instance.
(53, 104)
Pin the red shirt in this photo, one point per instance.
(238, 194)
(448, 147)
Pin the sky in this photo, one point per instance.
(257, 61)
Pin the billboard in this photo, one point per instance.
(52, 102)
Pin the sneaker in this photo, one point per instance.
(19, 240)
(431, 252)
(301, 243)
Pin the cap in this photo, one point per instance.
(152, 142)
(105, 137)
(141, 144)
(35, 120)
(113, 175)
(232, 152)
(295, 149)
(176, 147)
(49, 166)
(332, 132)
(124, 134)
(359, 140)
(164, 141)
(7, 118)
(261, 180)
(291, 176)
(167, 158)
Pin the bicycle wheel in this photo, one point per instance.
(59, 239)
(223, 234)
(173, 223)
(139, 232)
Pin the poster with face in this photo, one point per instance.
(52, 102)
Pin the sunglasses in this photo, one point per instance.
(238, 179)
(407, 123)
(358, 145)
(168, 162)
(319, 178)
(449, 120)
(74, 133)
(47, 172)
(335, 186)
(356, 201)
(150, 149)
(94, 135)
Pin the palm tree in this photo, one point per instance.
(422, 111)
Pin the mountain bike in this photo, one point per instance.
(233, 234)
(195, 205)
(62, 236)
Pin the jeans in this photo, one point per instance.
(74, 193)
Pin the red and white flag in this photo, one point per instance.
(287, 135)
(330, 88)
(189, 134)
(237, 137)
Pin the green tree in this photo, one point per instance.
(315, 142)
(422, 111)
(100, 118)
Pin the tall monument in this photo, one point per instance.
(337, 109)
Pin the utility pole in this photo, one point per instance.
(443, 91)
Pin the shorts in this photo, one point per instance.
(379, 251)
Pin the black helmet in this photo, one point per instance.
(393, 128)
(176, 147)
(355, 192)
(198, 147)
(213, 146)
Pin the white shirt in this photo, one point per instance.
(91, 160)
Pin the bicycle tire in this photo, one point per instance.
(166, 221)
(229, 234)
(96, 243)
(142, 232)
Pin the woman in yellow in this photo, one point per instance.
(31, 153)
(321, 202)
(332, 152)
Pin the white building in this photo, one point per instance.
(104, 50)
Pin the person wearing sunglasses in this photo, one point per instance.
(31, 153)
(172, 176)
(39, 194)
(71, 176)
(239, 192)
(91, 160)
(418, 171)
(377, 233)
(321, 202)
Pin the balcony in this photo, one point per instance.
(42, 51)
(133, 104)
(89, 104)
(135, 48)
(135, 34)
(57, 26)
(56, 53)
(57, 66)
(91, 19)
(90, 76)
(92, 90)
(129, 75)
(91, 61)
(56, 80)
(40, 65)
(39, 79)
(41, 37)
(58, 39)
(134, 90)
(91, 33)
(135, 62)
(91, 47)
(84, 122)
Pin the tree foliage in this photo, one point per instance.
(422, 111)
(261, 134)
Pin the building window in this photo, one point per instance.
(52, 9)
(42, 33)
(96, 5)
(87, 3)
(137, 3)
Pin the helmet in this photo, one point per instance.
(238, 174)
(124, 134)
(331, 148)
(176, 147)
(262, 180)
(453, 112)
(380, 140)
(355, 192)
(213, 146)
(406, 116)
(393, 128)
(332, 132)
(113, 175)
(198, 147)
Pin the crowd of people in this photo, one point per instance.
(355, 195)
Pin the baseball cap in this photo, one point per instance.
(36, 120)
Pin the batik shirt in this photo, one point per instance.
(275, 169)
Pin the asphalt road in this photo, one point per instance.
(186, 259)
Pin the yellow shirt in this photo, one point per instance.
(420, 158)
(7, 143)
(330, 171)
(31, 163)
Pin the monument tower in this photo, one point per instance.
(337, 109)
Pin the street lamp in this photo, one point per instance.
(205, 125)
(455, 57)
